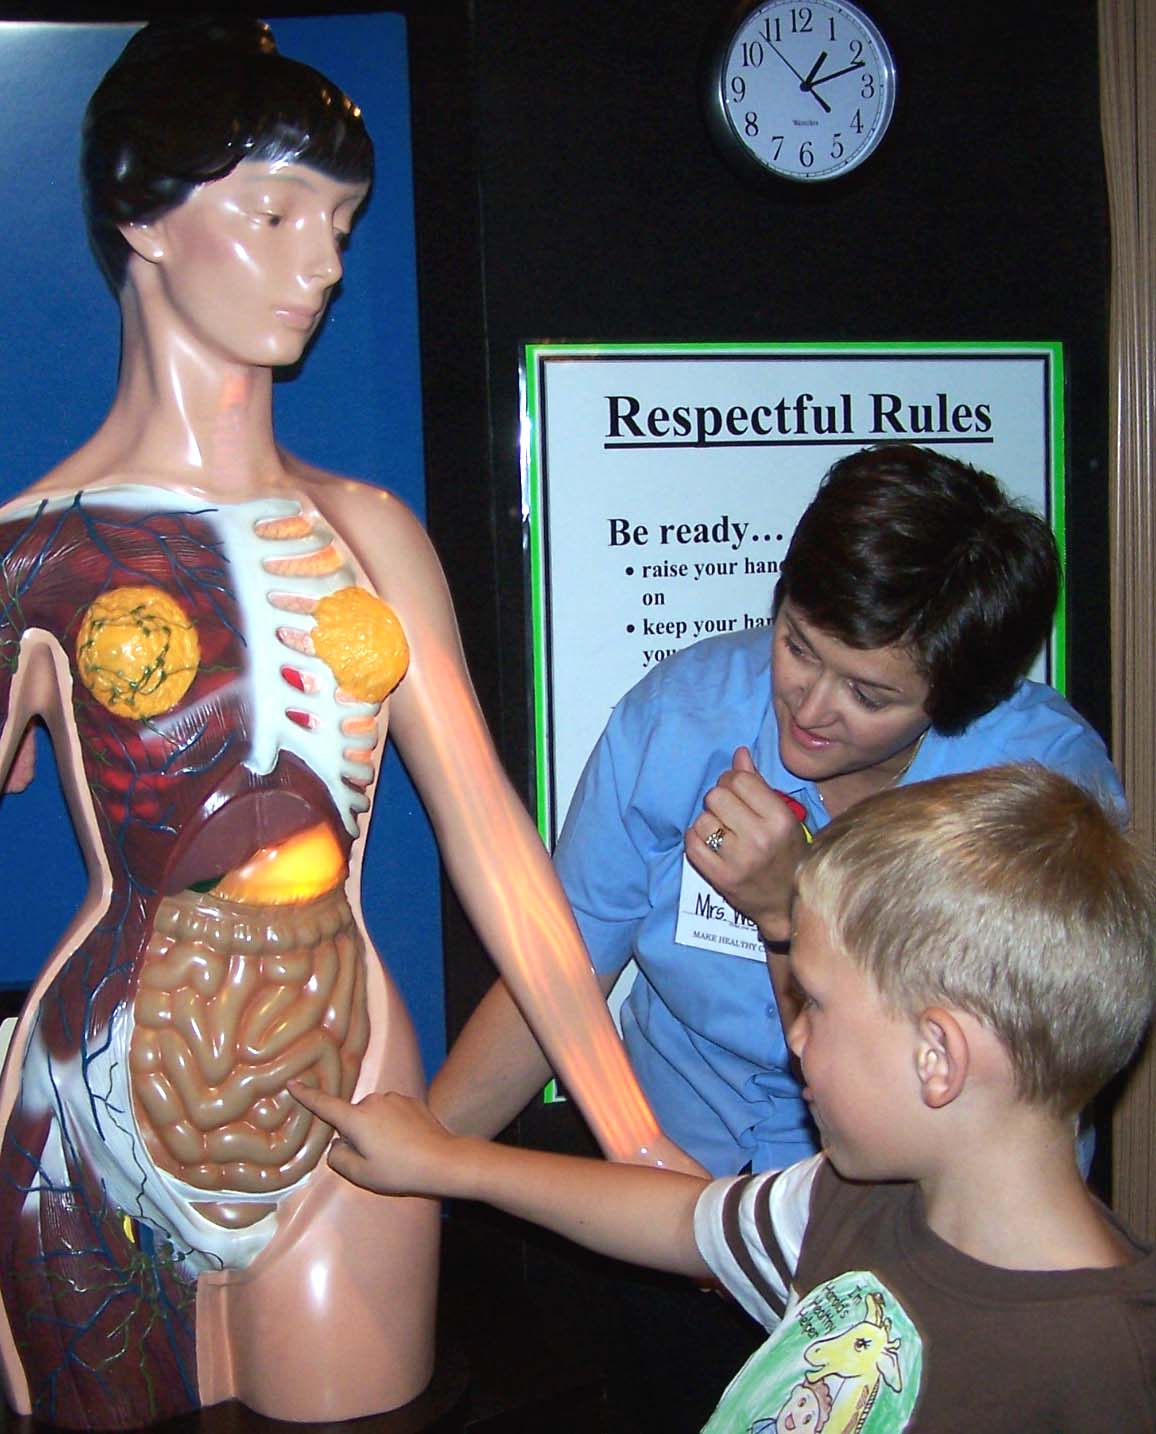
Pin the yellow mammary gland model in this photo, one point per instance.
(361, 641)
(137, 652)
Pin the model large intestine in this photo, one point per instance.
(217, 635)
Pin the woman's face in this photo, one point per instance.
(244, 266)
(841, 709)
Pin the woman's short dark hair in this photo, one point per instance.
(903, 546)
(186, 102)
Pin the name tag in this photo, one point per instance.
(709, 922)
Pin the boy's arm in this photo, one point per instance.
(750, 1230)
(395, 1146)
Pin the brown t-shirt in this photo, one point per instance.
(879, 1325)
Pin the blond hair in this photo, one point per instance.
(1009, 893)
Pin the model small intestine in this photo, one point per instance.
(229, 668)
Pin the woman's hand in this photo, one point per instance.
(389, 1143)
(753, 865)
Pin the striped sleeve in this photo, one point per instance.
(749, 1230)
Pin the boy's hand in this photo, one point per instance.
(762, 841)
(387, 1143)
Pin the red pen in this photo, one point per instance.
(798, 810)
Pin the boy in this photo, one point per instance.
(976, 957)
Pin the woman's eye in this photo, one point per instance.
(872, 704)
(794, 648)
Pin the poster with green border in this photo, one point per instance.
(661, 484)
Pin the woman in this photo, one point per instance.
(216, 633)
(913, 598)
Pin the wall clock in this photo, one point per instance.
(805, 92)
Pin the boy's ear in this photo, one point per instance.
(942, 1057)
(146, 239)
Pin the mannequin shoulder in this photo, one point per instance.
(354, 506)
(382, 531)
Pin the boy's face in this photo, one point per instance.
(858, 1059)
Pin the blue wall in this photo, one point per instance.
(354, 408)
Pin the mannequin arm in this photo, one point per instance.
(488, 843)
(393, 1145)
(23, 767)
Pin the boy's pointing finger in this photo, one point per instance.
(329, 1108)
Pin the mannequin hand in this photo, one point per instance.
(23, 767)
(387, 1143)
(754, 868)
(662, 1152)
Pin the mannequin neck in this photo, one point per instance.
(185, 415)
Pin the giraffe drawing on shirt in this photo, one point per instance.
(842, 1382)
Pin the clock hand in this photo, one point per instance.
(834, 75)
(807, 85)
(789, 65)
(805, 82)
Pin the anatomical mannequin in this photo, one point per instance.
(216, 635)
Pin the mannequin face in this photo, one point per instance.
(243, 269)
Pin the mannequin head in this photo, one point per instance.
(185, 103)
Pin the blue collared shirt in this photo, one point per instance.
(702, 1028)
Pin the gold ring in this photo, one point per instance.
(715, 840)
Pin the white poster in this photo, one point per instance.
(662, 484)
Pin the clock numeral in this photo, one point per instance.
(753, 55)
(831, 30)
(837, 148)
(777, 141)
(750, 124)
(806, 154)
(738, 88)
(868, 90)
(802, 17)
(857, 122)
(856, 51)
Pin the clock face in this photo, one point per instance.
(806, 91)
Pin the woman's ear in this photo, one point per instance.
(145, 239)
(942, 1058)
